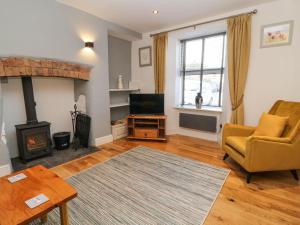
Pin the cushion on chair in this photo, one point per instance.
(290, 109)
(270, 125)
(238, 143)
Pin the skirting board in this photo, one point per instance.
(4, 170)
(103, 140)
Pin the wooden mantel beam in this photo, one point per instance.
(25, 66)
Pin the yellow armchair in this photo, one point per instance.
(262, 153)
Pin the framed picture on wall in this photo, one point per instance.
(145, 56)
(277, 34)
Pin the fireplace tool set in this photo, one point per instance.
(81, 128)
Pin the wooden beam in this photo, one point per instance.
(23, 66)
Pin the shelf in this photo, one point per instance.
(147, 128)
(119, 105)
(154, 139)
(156, 117)
(149, 123)
(203, 108)
(119, 90)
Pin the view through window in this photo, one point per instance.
(202, 69)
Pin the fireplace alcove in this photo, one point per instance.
(33, 137)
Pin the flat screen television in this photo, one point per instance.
(146, 104)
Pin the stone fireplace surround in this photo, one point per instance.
(27, 67)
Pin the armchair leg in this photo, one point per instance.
(295, 175)
(225, 156)
(248, 177)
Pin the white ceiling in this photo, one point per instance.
(137, 14)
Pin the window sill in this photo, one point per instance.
(203, 108)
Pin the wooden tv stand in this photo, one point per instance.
(147, 127)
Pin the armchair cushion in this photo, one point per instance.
(290, 109)
(238, 143)
(270, 125)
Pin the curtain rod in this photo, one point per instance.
(206, 22)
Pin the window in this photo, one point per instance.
(202, 69)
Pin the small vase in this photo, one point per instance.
(120, 82)
(198, 100)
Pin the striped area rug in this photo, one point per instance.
(144, 186)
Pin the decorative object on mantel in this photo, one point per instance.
(145, 56)
(277, 34)
(198, 100)
(120, 82)
(26, 66)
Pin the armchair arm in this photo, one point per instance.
(271, 153)
(236, 130)
(270, 139)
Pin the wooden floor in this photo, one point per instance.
(270, 199)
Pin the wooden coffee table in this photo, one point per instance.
(40, 180)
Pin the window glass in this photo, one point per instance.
(213, 52)
(211, 89)
(192, 57)
(202, 70)
(192, 87)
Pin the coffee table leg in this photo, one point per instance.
(44, 218)
(64, 214)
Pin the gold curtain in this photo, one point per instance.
(239, 38)
(160, 46)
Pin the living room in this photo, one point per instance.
(161, 113)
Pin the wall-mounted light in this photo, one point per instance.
(89, 44)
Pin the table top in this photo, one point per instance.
(13, 209)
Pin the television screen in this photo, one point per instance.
(146, 104)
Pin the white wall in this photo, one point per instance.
(5, 164)
(273, 72)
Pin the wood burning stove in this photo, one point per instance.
(34, 138)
